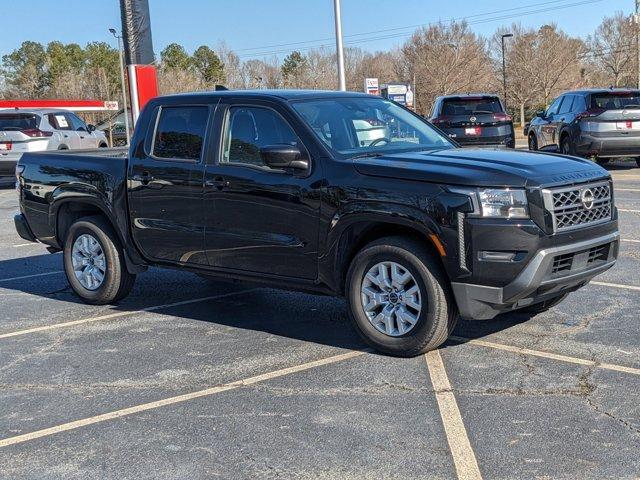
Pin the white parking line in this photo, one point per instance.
(109, 316)
(615, 285)
(626, 189)
(628, 210)
(65, 427)
(25, 244)
(549, 355)
(463, 457)
(630, 241)
(31, 276)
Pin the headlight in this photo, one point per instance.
(503, 203)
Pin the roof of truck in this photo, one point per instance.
(281, 94)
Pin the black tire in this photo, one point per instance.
(117, 281)
(638, 161)
(566, 148)
(541, 307)
(533, 142)
(103, 145)
(436, 319)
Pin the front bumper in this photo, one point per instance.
(539, 280)
(589, 145)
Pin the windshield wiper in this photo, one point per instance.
(368, 155)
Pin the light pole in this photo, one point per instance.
(342, 84)
(504, 69)
(124, 85)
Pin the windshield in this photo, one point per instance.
(616, 100)
(368, 126)
(18, 121)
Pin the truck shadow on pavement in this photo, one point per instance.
(299, 316)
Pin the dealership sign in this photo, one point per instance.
(371, 86)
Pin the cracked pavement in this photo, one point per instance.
(371, 416)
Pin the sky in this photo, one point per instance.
(263, 28)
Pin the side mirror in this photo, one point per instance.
(540, 113)
(284, 156)
(91, 128)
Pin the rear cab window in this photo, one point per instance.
(468, 106)
(616, 100)
(180, 133)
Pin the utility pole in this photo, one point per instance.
(124, 85)
(342, 84)
(504, 68)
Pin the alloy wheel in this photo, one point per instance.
(391, 298)
(89, 262)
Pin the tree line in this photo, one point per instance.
(439, 59)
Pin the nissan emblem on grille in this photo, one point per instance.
(587, 198)
(579, 206)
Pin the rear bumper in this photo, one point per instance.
(22, 227)
(8, 164)
(537, 281)
(590, 145)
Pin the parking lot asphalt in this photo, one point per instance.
(190, 378)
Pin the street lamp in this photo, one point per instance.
(124, 86)
(504, 69)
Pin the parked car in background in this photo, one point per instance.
(276, 187)
(477, 119)
(596, 123)
(36, 130)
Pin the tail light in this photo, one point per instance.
(6, 146)
(592, 112)
(501, 117)
(36, 132)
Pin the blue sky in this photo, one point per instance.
(246, 25)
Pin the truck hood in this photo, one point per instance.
(482, 167)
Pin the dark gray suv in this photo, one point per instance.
(596, 123)
(474, 119)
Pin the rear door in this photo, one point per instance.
(84, 138)
(62, 125)
(166, 185)
(613, 114)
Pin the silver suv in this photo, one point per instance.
(596, 123)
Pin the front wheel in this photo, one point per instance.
(565, 146)
(94, 262)
(638, 161)
(398, 297)
(533, 142)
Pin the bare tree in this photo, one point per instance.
(445, 59)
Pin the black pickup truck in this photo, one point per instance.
(328, 192)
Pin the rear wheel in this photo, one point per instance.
(565, 146)
(541, 307)
(533, 142)
(94, 262)
(398, 297)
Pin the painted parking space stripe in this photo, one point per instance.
(464, 458)
(626, 189)
(65, 427)
(615, 285)
(630, 240)
(110, 316)
(628, 210)
(31, 276)
(548, 355)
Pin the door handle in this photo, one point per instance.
(144, 178)
(217, 182)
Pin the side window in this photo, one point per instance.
(59, 121)
(180, 132)
(76, 122)
(579, 105)
(555, 106)
(248, 129)
(566, 106)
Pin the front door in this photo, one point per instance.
(166, 186)
(260, 219)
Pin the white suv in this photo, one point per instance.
(40, 129)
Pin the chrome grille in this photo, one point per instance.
(579, 206)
